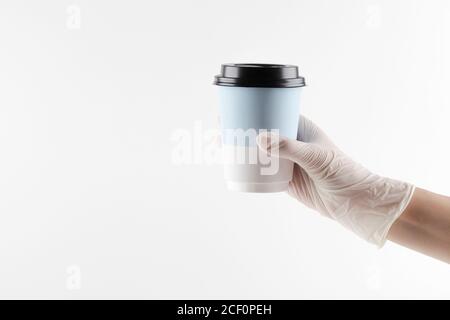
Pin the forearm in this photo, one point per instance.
(424, 226)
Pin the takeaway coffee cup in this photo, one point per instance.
(256, 98)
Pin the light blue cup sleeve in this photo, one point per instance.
(244, 112)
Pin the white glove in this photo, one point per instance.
(327, 180)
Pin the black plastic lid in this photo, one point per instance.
(259, 75)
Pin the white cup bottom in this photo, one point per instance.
(258, 187)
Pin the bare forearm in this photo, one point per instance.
(425, 225)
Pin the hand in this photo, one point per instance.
(330, 182)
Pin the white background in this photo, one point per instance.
(92, 204)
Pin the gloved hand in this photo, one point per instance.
(327, 180)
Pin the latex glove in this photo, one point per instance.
(330, 182)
